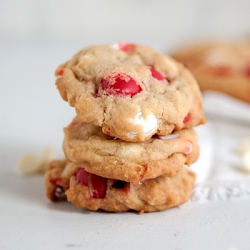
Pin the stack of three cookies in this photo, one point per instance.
(130, 144)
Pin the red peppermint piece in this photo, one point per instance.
(222, 71)
(120, 84)
(60, 72)
(96, 95)
(106, 131)
(73, 123)
(82, 176)
(247, 70)
(156, 74)
(128, 47)
(187, 118)
(96, 184)
(60, 182)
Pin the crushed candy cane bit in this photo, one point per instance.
(97, 185)
(247, 70)
(60, 72)
(120, 84)
(157, 74)
(223, 71)
(36, 164)
(187, 118)
(127, 47)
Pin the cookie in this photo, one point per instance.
(131, 91)
(93, 192)
(129, 161)
(222, 66)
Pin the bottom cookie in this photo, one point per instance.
(93, 192)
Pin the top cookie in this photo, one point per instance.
(131, 91)
(220, 66)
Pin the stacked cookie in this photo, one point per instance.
(132, 139)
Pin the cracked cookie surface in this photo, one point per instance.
(131, 91)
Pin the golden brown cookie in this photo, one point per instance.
(131, 91)
(129, 161)
(221, 66)
(93, 192)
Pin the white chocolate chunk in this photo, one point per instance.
(28, 164)
(115, 46)
(149, 124)
(47, 155)
(168, 137)
(244, 151)
(246, 161)
(134, 187)
(215, 57)
(243, 147)
(132, 150)
(34, 164)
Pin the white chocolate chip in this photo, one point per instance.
(168, 137)
(246, 161)
(215, 57)
(28, 164)
(149, 124)
(132, 150)
(47, 155)
(243, 147)
(34, 164)
(244, 151)
(134, 187)
(115, 46)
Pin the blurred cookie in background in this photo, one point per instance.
(222, 66)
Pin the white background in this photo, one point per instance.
(152, 22)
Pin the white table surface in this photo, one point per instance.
(32, 116)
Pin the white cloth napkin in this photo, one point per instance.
(219, 170)
(225, 107)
